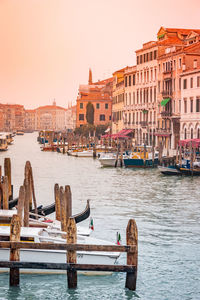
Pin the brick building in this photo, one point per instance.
(100, 95)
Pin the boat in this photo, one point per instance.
(3, 143)
(8, 136)
(81, 153)
(190, 171)
(44, 235)
(141, 157)
(19, 132)
(49, 209)
(110, 159)
(169, 170)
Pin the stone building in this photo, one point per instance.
(99, 94)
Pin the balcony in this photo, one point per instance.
(167, 75)
(166, 114)
(167, 94)
(143, 123)
(163, 131)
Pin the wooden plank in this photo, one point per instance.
(132, 256)
(15, 228)
(75, 247)
(7, 172)
(71, 254)
(57, 200)
(65, 266)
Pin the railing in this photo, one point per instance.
(143, 123)
(166, 113)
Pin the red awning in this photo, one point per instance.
(188, 142)
(123, 134)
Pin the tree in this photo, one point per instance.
(90, 113)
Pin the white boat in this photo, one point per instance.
(109, 159)
(39, 235)
(84, 153)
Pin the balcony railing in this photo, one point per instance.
(166, 113)
(143, 123)
(167, 93)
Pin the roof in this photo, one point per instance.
(50, 107)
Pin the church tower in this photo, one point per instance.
(90, 77)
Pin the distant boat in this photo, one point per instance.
(170, 170)
(141, 157)
(84, 153)
(19, 132)
(3, 143)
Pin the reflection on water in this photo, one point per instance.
(166, 210)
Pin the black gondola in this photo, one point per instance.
(49, 209)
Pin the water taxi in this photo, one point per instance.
(141, 157)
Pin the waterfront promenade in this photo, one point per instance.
(166, 211)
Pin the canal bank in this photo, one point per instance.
(165, 209)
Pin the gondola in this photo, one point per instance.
(49, 209)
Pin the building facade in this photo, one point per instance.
(99, 94)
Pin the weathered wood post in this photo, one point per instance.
(1, 189)
(7, 172)
(20, 204)
(71, 255)
(68, 196)
(15, 227)
(132, 255)
(27, 201)
(57, 201)
(5, 192)
(63, 214)
(145, 154)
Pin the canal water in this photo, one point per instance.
(166, 209)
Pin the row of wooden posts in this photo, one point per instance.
(63, 205)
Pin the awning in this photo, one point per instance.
(188, 142)
(123, 134)
(165, 101)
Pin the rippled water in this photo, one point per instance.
(166, 209)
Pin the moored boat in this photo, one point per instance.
(169, 170)
(41, 235)
(142, 157)
(3, 143)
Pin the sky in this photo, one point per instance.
(48, 46)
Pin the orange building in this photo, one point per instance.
(100, 95)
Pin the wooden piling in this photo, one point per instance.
(7, 172)
(27, 201)
(14, 253)
(71, 255)
(63, 214)
(57, 201)
(132, 255)
(5, 192)
(68, 196)
(20, 204)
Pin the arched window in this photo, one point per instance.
(191, 133)
(185, 133)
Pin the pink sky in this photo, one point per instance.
(47, 46)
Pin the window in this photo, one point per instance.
(110, 118)
(81, 105)
(155, 76)
(185, 106)
(129, 98)
(174, 65)
(125, 81)
(197, 104)
(81, 117)
(151, 55)
(198, 133)
(133, 97)
(134, 79)
(179, 106)
(129, 80)
(106, 105)
(179, 83)
(191, 82)
(191, 133)
(191, 105)
(159, 86)
(155, 54)
(184, 84)
(185, 134)
(179, 63)
(198, 81)
(102, 118)
(138, 60)
(97, 106)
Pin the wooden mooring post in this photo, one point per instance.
(7, 172)
(15, 228)
(71, 255)
(57, 201)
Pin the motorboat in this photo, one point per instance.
(142, 157)
(81, 153)
(110, 159)
(41, 235)
(3, 143)
(169, 170)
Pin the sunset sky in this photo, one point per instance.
(48, 46)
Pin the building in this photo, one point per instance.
(30, 120)
(50, 117)
(118, 101)
(190, 103)
(145, 89)
(12, 117)
(178, 50)
(99, 94)
(70, 118)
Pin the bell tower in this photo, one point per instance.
(90, 77)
